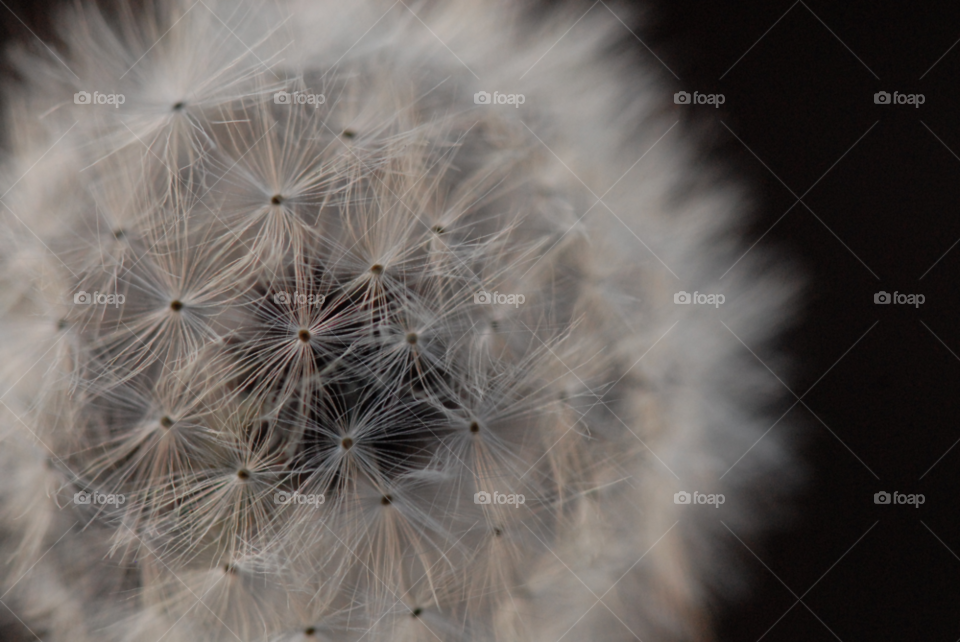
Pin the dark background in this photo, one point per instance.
(800, 99)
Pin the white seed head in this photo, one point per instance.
(301, 339)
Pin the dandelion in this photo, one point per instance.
(213, 301)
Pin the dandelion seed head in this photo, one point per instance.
(303, 349)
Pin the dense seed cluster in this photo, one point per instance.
(259, 326)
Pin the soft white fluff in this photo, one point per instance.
(298, 314)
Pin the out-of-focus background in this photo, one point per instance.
(879, 210)
(866, 196)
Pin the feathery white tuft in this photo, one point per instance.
(288, 303)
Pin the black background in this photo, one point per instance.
(800, 99)
(799, 79)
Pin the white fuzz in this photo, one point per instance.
(298, 341)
